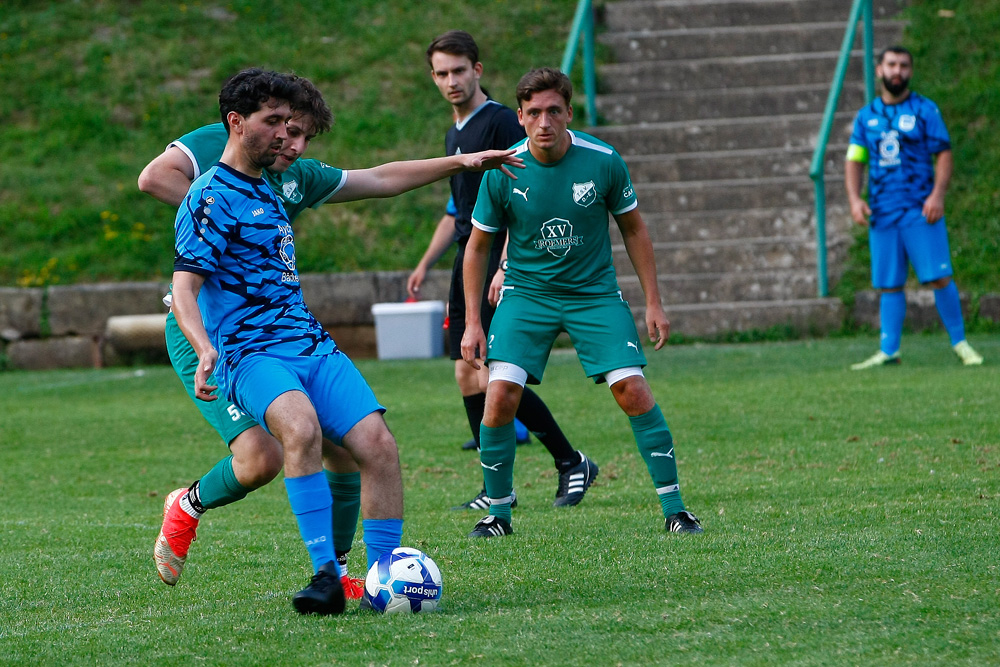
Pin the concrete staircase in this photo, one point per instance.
(716, 106)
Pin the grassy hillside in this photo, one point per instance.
(92, 91)
(89, 92)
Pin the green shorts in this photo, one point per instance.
(227, 419)
(601, 327)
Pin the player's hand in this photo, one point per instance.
(414, 282)
(473, 345)
(860, 212)
(933, 209)
(206, 365)
(501, 160)
(495, 287)
(657, 325)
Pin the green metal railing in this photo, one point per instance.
(583, 29)
(859, 8)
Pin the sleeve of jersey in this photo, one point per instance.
(621, 198)
(857, 150)
(201, 232)
(485, 215)
(935, 130)
(320, 180)
(203, 146)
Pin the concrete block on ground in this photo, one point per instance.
(358, 342)
(989, 307)
(921, 313)
(85, 309)
(49, 353)
(20, 312)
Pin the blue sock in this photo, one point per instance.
(312, 506)
(949, 307)
(892, 311)
(381, 536)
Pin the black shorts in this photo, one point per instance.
(456, 296)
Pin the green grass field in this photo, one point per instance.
(849, 519)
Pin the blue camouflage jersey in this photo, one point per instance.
(898, 141)
(233, 230)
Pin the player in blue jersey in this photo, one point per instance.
(236, 297)
(903, 140)
(561, 277)
(256, 457)
(482, 123)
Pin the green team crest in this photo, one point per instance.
(584, 194)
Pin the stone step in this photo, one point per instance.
(657, 107)
(727, 165)
(734, 194)
(791, 131)
(812, 316)
(724, 287)
(794, 221)
(716, 257)
(689, 43)
(691, 14)
(708, 73)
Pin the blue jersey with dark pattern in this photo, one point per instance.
(901, 141)
(232, 229)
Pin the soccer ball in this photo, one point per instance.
(405, 580)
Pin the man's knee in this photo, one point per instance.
(258, 456)
(633, 395)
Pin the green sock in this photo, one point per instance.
(220, 487)
(497, 447)
(346, 491)
(657, 448)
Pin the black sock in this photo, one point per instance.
(475, 406)
(194, 497)
(534, 414)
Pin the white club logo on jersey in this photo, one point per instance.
(633, 345)
(873, 122)
(286, 251)
(584, 194)
(888, 149)
(291, 192)
(523, 193)
(907, 122)
(557, 237)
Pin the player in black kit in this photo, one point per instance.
(482, 123)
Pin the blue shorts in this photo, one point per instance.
(911, 240)
(336, 388)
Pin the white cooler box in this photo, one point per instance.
(409, 330)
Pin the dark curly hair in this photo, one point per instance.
(248, 90)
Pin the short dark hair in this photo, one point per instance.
(544, 78)
(310, 102)
(246, 91)
(895, 48)
(456, 43)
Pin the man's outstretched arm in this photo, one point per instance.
(168, 176)
(394, 178)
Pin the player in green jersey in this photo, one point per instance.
(256, 457)
(560, 277)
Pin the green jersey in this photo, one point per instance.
(557, 217)
(305, 184)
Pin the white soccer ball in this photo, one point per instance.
(405, 580)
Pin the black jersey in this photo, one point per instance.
(491, 126)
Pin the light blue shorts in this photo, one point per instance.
(332, 382)
(911, 241)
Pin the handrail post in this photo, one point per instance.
(819, 155)
(583, 28)
(869, 58)
(589, 75)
